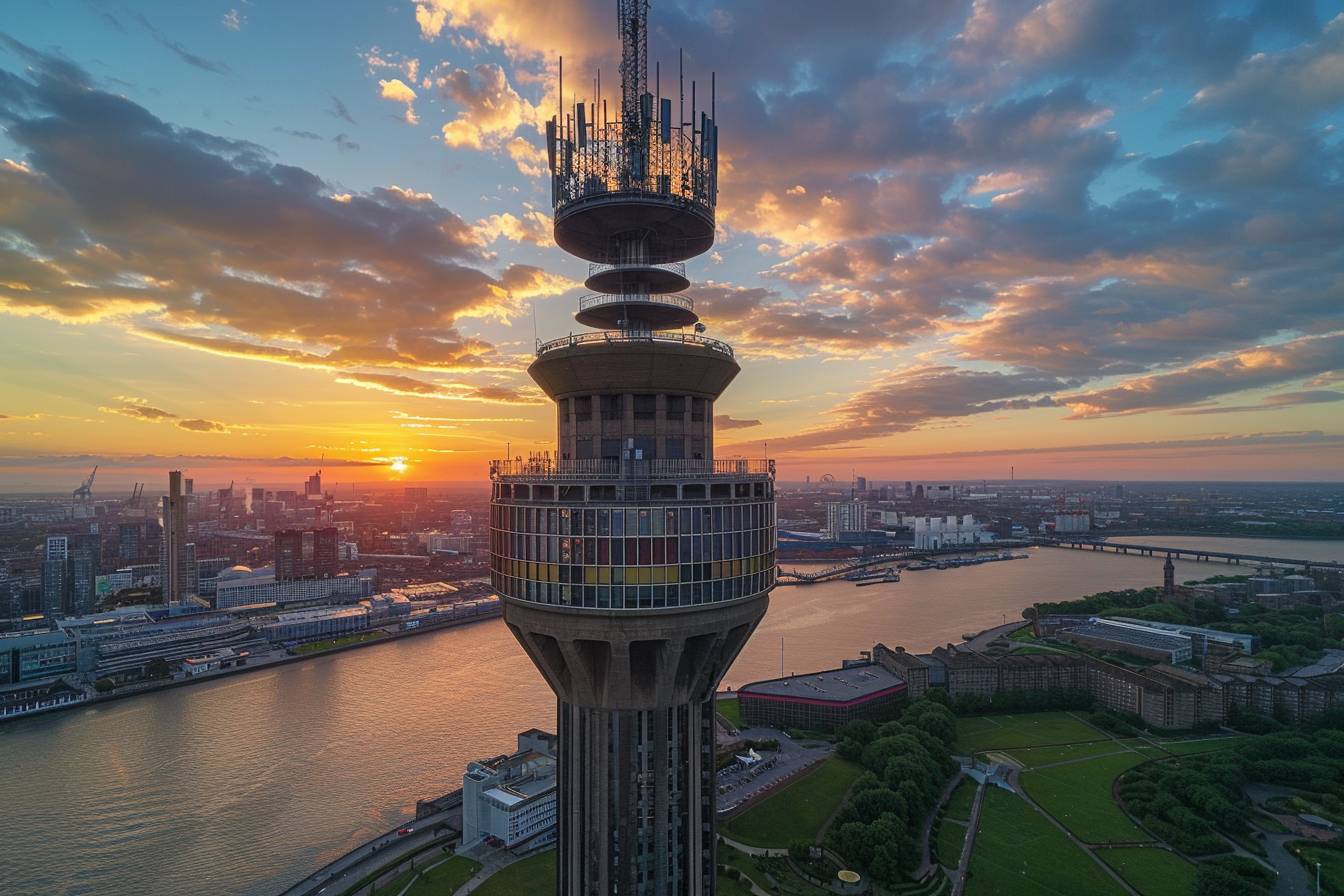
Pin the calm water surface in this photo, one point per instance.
(245, 785)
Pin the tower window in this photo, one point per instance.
(646, 407)
(613, 407)
(676, 407)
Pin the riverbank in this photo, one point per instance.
(262, 662)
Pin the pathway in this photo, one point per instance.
(972, 828)
(925, 865)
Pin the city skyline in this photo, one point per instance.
(1080, 241)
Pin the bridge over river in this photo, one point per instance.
(1178, 553)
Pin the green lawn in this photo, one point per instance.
(445, 879)
(330, 643)
(962, 799)
(1012, 732)
(1332, 864)
(728, 708)
(1019, 853)
(1079, 797)
(1199, 745)
(799, 810)
(727, 887)
(1153, 872)
(1035, 757)
(951, 838)
(534, 875)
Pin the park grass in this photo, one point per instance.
(1018, 852)
(951, 838)
(535, 875)
(1153, 872)
(1079, 796)
(1332, 863)
(343, 641)
(1013, 732)
(798, 811)
(444, 879)
(1191, 746)
(962, 799)
(728, 886)
(1035, 757)
(730, 709)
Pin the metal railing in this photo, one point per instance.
(598, 267)
(613, 337)
(550, 468)
(606, 163)
(596, 299)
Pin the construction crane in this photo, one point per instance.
(84, 494)
(137, 490)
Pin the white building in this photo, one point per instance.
(848, 516)
(935, 532)
(511, 798)
(239, 586)
(1066, 523)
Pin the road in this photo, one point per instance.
(376, 853)
(792, 758)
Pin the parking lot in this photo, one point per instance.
(738, 784)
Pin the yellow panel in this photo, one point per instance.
(659, 574)
(674, 573)
(604, 575)
(590, 575)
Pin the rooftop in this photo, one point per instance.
(1122, 634)
(832, 686)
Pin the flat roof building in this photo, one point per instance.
(821, 701)
(511, 798)
(1200, 638)
(1138, 641)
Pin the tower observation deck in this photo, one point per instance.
(634, 565)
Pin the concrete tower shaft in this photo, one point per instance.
(633, 565)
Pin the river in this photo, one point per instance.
(244, 785)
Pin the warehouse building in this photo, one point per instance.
(821, 701)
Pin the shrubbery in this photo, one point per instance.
(907, 761)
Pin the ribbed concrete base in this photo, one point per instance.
(636, 724)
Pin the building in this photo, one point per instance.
(1072, 523)
(34, 656)
(55, 576)
(1201, 639)
(312, 487)
(239, 586)
(633, 565)
(934, 533)
(821, 701)
(913, 670)
(1135, 640)
(318, 622)
(177, 557)
(307, 554)
(845, 516)
(510, 800)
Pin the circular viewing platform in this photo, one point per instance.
(613, 338)
(647, 276)
(673, 227)
(657, 312)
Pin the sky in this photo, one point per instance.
(1083, 239)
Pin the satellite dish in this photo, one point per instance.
(699, 328)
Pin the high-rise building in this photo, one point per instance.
(633, 565)
(177, 563)
(56, 575)
(312, 487)
(845, 516)
(307, 554)
(861, 484)
(86, 557)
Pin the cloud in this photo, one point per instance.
(200, 62)
(233, 20)
(905, 400)
(140, 412)
(1265, 365)
(344, 143)
(724, 421)
(1278, 402)
(212, 244)
(412, 387)
(397, 91)
(1290, 86)
(533, 227)
(198, 425)
(490, 111)
(337, 109)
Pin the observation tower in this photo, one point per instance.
(634, 565)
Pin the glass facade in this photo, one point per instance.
(633, 557)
